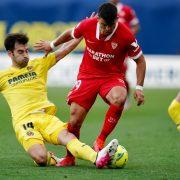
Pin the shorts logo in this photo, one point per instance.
(30, 133)
(114, 45)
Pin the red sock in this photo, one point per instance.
(111, 119)
(76, 132)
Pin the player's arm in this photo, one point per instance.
(52, 58)
(75, 33)
(135, 53)
(49, 46)
(64, 37)
(140, 74)
(140, 70)
(66, 48)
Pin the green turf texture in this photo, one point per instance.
(146, 132)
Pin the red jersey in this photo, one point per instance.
(126, 15)
(104, 58)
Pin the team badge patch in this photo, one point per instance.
(10, 75)
(29, 133)
(30, 68)
(114, 45)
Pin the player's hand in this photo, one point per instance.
(43, 46)
(139, 97)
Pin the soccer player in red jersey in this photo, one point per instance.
(127, 16)
(107, 44)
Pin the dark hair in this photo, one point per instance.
(12, 38)
(108, 12)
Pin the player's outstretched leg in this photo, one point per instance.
(77, 116)
(69, 159)
(85, 152)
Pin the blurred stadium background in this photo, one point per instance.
(147, 132)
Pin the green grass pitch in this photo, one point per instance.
(147, 133)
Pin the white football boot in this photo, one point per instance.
(104, 156)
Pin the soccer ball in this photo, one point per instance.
(119, 159)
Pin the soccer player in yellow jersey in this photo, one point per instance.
(174, 111)
(24, 87)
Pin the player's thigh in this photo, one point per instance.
(50, 126)
(114, 91)
(27, 134)
(84, 93)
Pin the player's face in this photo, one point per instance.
(106, 29)
(20, 55)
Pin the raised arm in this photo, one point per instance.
(49, 46)
(66, 48)
(64, 37)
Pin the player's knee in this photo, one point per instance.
(41, 159)
(118, 100)
(76, 118)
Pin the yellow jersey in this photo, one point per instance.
(25, 89)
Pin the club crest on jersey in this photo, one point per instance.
(114, 45)
(11, 74)
(30, 68)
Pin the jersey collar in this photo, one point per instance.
(109, 36)
(16, 68)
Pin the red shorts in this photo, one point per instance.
(85, 91)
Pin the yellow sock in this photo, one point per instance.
(81, 150)
(174, 112)
(50, 160)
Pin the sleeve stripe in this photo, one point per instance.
(137, 56)
(72, 33)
